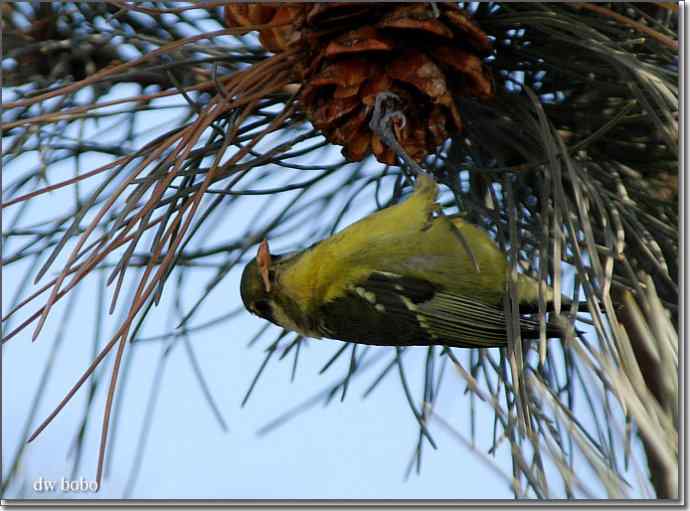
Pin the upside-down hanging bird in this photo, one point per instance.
(403, 276)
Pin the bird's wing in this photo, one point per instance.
(391, 309)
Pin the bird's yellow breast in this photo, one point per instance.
(404, 239)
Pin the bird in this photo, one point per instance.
(405, 275)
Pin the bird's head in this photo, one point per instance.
(258, 283)
(266, 293)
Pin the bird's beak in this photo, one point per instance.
(263, 260)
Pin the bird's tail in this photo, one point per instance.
(556, 327)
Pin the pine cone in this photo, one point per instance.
(351, 52)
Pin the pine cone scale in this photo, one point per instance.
(415, 17)
(351, 52)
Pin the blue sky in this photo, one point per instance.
(352, 449)
(355, 449)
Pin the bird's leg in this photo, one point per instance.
(380, 124)
(384, 112)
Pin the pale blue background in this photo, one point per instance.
(357, 449)
(354, 449)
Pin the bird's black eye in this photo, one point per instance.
(262, 307)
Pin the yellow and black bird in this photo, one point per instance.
(398, 277)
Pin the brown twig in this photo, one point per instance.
(636, 25)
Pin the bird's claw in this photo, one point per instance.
(383, 113)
